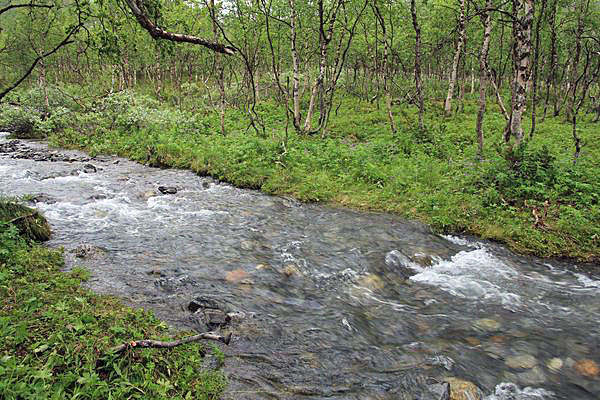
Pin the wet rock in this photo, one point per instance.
(201, 303)
(439, 360)
(524, 361)
(487, 325)
(205, 185)
(236, 315)
(587, 368)
(115, 162)
(87, 251)
(400, 263)
(463, 390)
(554, 364)
(167, 189)
(290, 270)
(423, 260)
(89, 169)
(98, 196)
(436, 391)
(10, 146)
(42, 198)
(210, 313)
(215, 318)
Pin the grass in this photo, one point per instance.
(55, 335)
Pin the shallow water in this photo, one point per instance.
(325, 315)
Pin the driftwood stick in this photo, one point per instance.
(158, 344)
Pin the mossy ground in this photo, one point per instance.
(55, 335)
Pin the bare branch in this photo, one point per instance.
(29, 5)
(159, 33)
(67, 40)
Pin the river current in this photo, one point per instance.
(325, 310)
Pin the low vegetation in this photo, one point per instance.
(55, 333)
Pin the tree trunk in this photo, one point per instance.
(574, 71)
(388, 96)
(219, 67)
(486, 19)
(419, 89)
(551, 80)
(536, 57)
(295, 66)
(459, 46)
(522, 21)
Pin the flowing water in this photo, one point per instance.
(324, 309)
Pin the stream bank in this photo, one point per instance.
(331, 303)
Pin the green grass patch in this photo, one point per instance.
(55, 335)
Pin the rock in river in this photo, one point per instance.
(89, 168)
(400, 263)
(524, 361)
(167, 189)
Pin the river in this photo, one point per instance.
(326, 302)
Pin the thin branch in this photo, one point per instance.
(30, 5)
(158, 344)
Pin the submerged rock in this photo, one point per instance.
(487, 324)
(463, 390)
(436, 391)
(587, 368)
(524, 361)
(554, 364)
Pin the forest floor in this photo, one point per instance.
(56, 334)
(535, 200)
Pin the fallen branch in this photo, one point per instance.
(158, 344)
